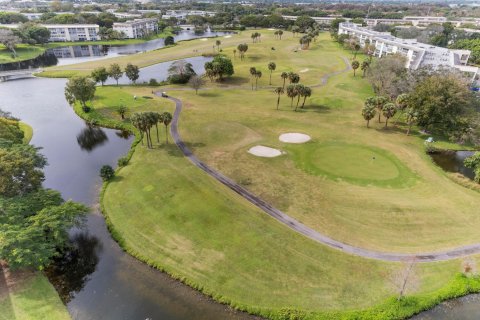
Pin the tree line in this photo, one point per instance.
(34, 221)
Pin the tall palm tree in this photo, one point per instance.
(253, 72)
(355, 65)
(291, 93)
(411, 115)
(307, 92)
(218, 43)
(258, 75)
(300, 90)
(388, 111)
(284, 76)
(368, 112)
(279, 91)
(280, 33)
(166, 119)
(364, 67)
(271, 66)
(379, 102)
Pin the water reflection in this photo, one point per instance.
(452, 161)
(71, 271)
(123, 134)
(91, 137)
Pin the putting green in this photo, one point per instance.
(357, 164)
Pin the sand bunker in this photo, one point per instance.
(304, 70)
(203, 39)
(294, 137)
(227, 37)
(271, 29)
(262, 151)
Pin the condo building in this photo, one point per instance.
(137, 28)
(73, 32)
(418, 54)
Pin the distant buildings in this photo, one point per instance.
(137, 28)
(73, 32)
(418, 54)
(183, 14)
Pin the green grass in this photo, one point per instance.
(31, 297)
(169, 214)
(24, 52)
(27, 131)
(358, 164)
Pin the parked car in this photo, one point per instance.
(164, 94)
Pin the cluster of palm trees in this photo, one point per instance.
(256, 37)
(311, 35)
(278, 34)
(384, 106)
(145, 121)
(254, 76)
(293, 90)
(242, 48)
(364, 66)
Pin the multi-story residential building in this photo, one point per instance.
(137, 28)
(73, 32)
(183, 14)
(418, 54)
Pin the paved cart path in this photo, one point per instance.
(300, 227)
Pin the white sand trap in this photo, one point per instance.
(203, 39)
(262, 151)
(294, 137)
(271, 29)
(304, 70)
(227, 37)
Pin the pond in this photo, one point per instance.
(96, 279)
(452, 161)
(464, 308)
(76, 54)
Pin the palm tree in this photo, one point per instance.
(258, 75)
(122, 110)
(356, 47)
(307, 92)
(253, 72)
(280, 33)
(368, 112)
(291, 93)
(284, 76)
(279, 91)
(293, 77)
(218, 43)
(355, 65)
(166, 119)
(364, 67)
(156, 118)
(136, 122)
(401, 102)
(234, 53)
(379, 102)
(411, 115)
(271, 66)
(388, 111)
(300, 89)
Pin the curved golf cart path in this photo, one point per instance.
(300, 227)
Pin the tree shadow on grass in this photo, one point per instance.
(319, 108)
(208, 94)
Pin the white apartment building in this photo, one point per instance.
(73, 32)
(418, 54)
(137, 28)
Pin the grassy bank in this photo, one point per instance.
(29, 296)
(24, 52)
(27, 132)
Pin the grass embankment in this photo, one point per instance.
(29, 296)
(27, 131)
(185, 223)
(24, 52)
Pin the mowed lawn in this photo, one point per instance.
(374, 188)
(30, 296)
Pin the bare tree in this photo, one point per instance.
(405, 279)
(385, 74)
(196, 82)
(9, 40)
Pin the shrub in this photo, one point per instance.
(122, 162)
(153, 82)
(107, 173)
